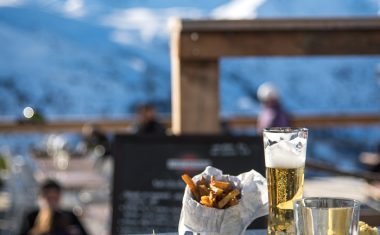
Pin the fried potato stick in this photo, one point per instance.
(205, 200)
(203, 190)
(216, 190)
(232, 202)
(220, 184)
(193, 188)
(222, 203)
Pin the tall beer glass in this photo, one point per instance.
(285, 155)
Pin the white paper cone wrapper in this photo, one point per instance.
(234, 220)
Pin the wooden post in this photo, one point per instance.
(196, 97)
(195, 92)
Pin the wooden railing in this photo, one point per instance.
(315, 121)
(198, 45)
(123, 126)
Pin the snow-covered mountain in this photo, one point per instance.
(80, 58)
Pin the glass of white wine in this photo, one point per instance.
(327, 216)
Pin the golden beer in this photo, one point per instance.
(284, 186)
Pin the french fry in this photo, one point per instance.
(216, 190)
(213, 193)
(202, 182)
(232, 202)
(191, 185)
(205, 200)
(222, 203)
(212, 197)
(221, 184)
(203, 190)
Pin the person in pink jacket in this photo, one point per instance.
(272, 114)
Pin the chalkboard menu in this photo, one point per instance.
(147, 187)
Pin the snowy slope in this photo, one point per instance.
(297, 8)
(96, 64)
(71, 67)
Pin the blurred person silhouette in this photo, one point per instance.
(38, 116)
(225, 128)
(148, 124)
(96, 141)
(31, 116)
(272, 114)
(50, 219)
(371, 159)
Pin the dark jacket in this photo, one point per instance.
(62, 222)
(152, 127)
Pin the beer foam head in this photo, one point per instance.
(286, 154)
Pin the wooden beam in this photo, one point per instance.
(320, 121)
(342, 120)
(298, 37)
(112, 126)
(122, 126)
(321, 24)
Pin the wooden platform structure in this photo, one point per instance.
(197, 46)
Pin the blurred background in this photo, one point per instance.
(86, 60)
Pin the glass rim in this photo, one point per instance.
(356, 203)
(285, 129)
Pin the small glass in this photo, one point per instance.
(285, 155)
(327, 216)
